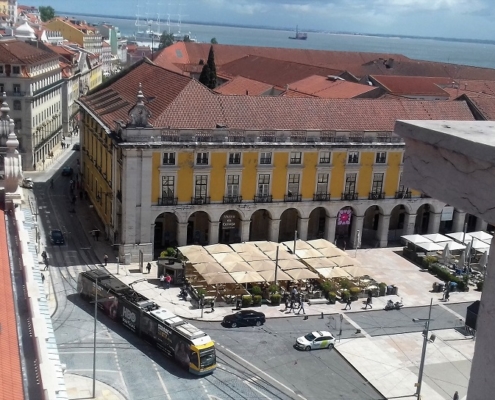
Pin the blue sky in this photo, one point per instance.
(443, 18)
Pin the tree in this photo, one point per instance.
(46, 13)
(213, 41)
(167, 39)
(208, 75)
(204, 78)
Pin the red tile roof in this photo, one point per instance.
(271, 71)
(11, 386)
(321, 86)
(483, 104)
(472, 88)
(412, 85)
(19, 52)
(241, 86)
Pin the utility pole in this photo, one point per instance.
(276, 265)
(295, 240)
(357, 240)
(423, 353)
(94, 339)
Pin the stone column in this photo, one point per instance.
(302, 232)
(459, 220)
(331, 226)
(213, 231)
(383, 225)
(357, 225)
(481, 225)
(409, 224)
(245, 225)
(182, 233)
(434, 222)
(274, 230)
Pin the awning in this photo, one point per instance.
(458, 236)
(344, 261)
(269, 275)
(254, 256)
(320, 243)
(265, 246)
(200, 257)
(436, 237)
(223, 258)
(243, 247)
(218, 277)
(290, 264)
(300, 245)
(318, 263)
(416, 239)
(247, 277)
(483, 236)
(218, 248)
(332, 252)
(282, 255)
(186, 250)
(430, 246)
(308, 253)
(301, 274)
(208, 268)
(264, 265)
(237, 267)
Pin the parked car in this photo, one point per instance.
(244, 318)
(67, 171)
(27, 183)
(76, 147)
(57, 237)
(316, 340)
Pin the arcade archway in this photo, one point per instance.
(230, 227)
(289, 223)
(165, 234)
(198, 226)
(317, 223)
(259, 228)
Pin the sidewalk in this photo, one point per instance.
(81, 387)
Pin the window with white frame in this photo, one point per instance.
(263, 184)
(168, 186)
(293, 184)
(265, 158)
(295, 157)
(353, 157)
(201, 186)
(17, 88)
(350, 183)
(377, 185)
(232, 185)
(234, 158)
(381, 157)
(17, 105)
(168, 159)
(324, 157)
(322, 184)
(202, 158)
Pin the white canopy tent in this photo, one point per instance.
(453, 246)
(218, 248)
(416, 239)
(459, 237)
(320, 243)
(436, 238)
(481, 235)
(430, 246)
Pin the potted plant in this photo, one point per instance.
(257, 300)
(275, 299)
(382, 289)
(331, 297)
(256, 291)
(354, 292)
(247, 301)
(274, 289)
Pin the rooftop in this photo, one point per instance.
(241, 86)
(20, 53)
(413, 85)
(329, 88)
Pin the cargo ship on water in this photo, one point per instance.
(299, 35)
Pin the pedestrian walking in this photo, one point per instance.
(148, 267)
(212, 304)
(46, 265)
(162, 280)
(105, 259)
(301, 305)
(292, 303)
(368, 303)
(447, 295)
(456, 395)
(286, 300)
(42, 278)
(168, 279)
(348, 303)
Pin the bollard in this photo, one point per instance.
(305, 317)
(322, 315)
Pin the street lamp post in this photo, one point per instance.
(426, 340)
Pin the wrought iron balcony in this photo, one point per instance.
(403, 194)
(265, 160)
(200, 200)
(232, 199)
(263, 199)
(292, 197)
(376, 195)
(167, 201)
(380, 160)
(349, 196)
(321, 197)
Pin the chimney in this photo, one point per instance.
(247, 92)
(389, 63)
(287, 87)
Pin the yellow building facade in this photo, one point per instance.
(156, 186)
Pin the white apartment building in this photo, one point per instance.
(32, 80)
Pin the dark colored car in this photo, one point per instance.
(67, 171)
(57, 237)
(244, 318)
(76, 147)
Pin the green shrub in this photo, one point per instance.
(257, 300)
(256, 290)
(346, 284)
(247, 301)
(479, 286)
(354, 292)
(274, 289)
(171, 252)
(331, 297)
(382, 288)
(344, 295)
(275, 299)
(201, 292)
(164, 254)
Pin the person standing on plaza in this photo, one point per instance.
(148, 267)
(348, 303)
(42, 278)
(168, 279)
(105, 259)
(301, 305)
(212, 305)
(291, 308)
(368, 303)
(456, 395)
(162, 281)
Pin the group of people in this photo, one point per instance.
(165, 281)
(294, 300)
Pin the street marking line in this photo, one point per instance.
(162, 383)
(267, 377)
(256, 390)
(85, 352)
(90, 370)
(451, 311)
(355, 325)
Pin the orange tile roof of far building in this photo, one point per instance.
(19, 52)
(11, 384)
(412, 85)
(329, 88)
(243, 86)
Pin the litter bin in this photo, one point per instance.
(435, 287)
(441, 287)
(389, 290)
(395, 290)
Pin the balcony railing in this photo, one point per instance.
(376, 195)
(16, 93)
(167, 201)
(403, 194)
(381, 160)
(232, 199)
(265, 160)
(353, 160)
(200, 200)
(321, 197)
(263, 199)
(349, 196)
(292, 197)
